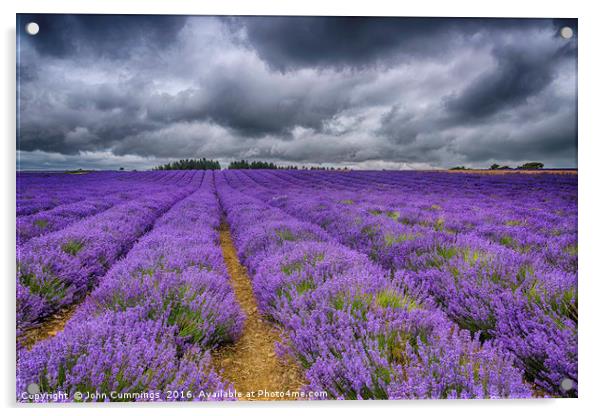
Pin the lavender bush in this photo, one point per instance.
(388, 285)
(150, 323)
(493, 271)
(357, 333)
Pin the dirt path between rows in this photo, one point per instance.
(251, 363)
(47, 328)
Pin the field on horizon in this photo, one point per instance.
(295, 284)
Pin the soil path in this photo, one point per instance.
(251, 363)
(48, 327)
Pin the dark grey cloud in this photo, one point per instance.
(290, 41)
(107, 112)
(365, 92)
(251, 106)
(117, 36)
(522, 70)
(554, 139)
(287, 42)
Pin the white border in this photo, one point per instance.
(590, 201)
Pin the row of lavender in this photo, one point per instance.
(45, 190)
(357, 332)
(60, 268)
(89, 201)
(501, 263)
(523, 212)
(144, 332)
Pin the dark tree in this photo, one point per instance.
(495, 166)
(257, 164)
(190, 164)
(531, 166)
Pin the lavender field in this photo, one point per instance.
(373, 284)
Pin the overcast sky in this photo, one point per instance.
(135, 91)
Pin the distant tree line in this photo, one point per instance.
(531, 166)
(323, 168)
(495, 166)
(190, 164)
(258, 164)
(526, 166)
(207, 164)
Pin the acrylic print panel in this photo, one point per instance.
(295, 208)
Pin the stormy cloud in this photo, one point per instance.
(106, 91)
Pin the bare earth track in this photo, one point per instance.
(48, 328)
(251, 363)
